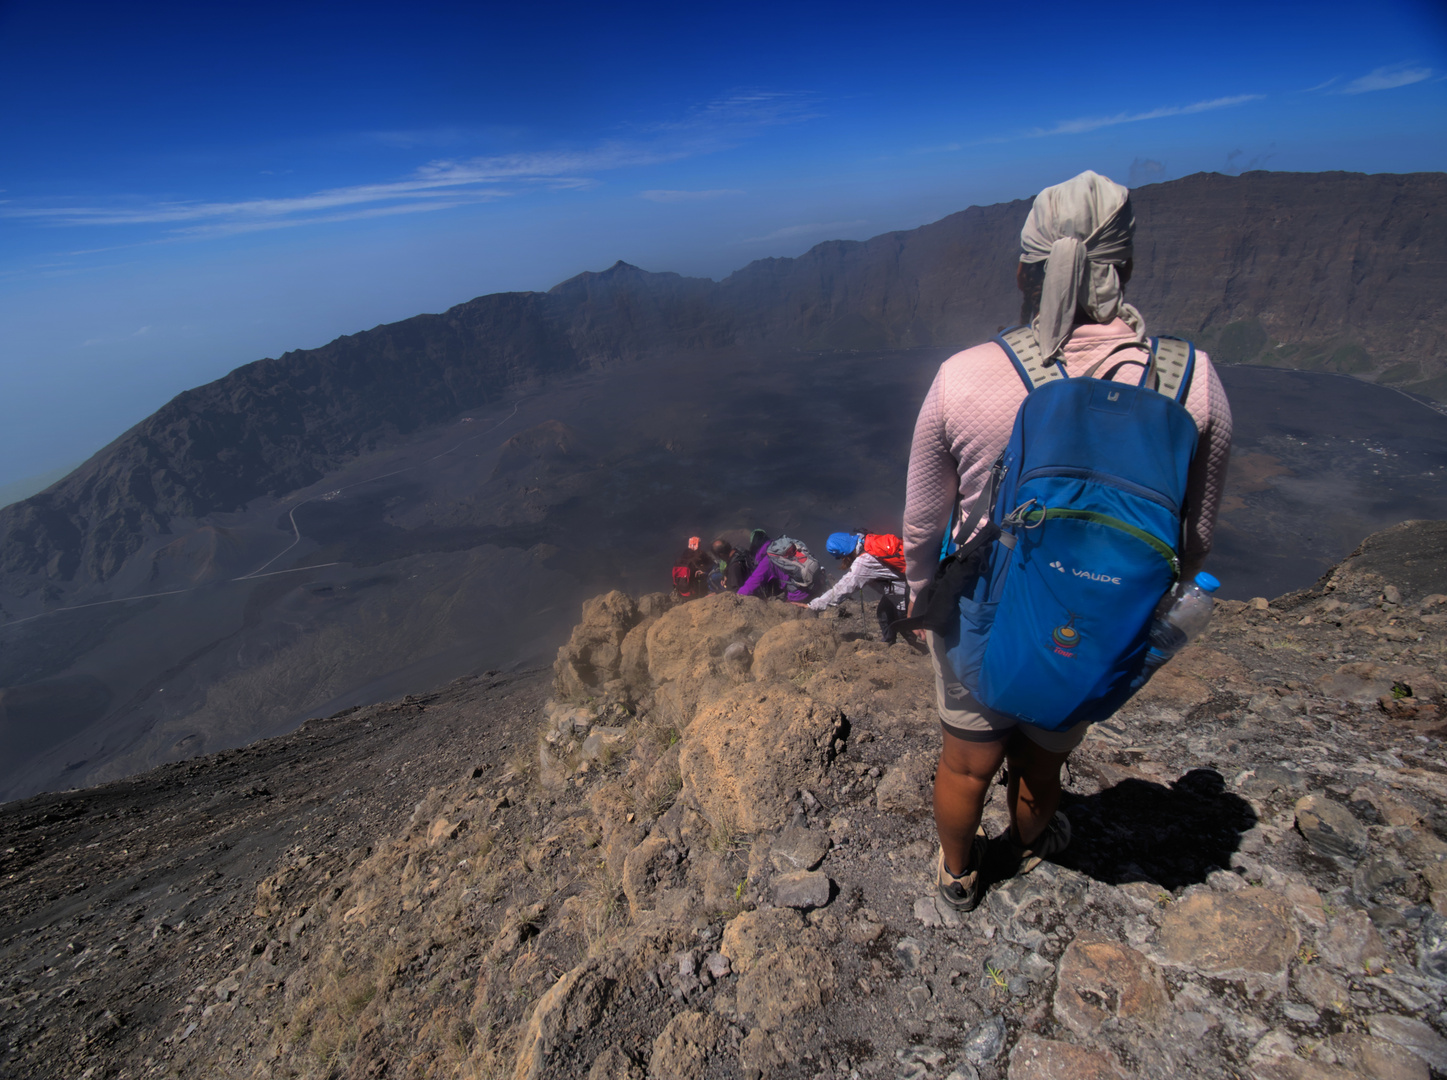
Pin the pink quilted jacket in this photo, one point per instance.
(965, 422)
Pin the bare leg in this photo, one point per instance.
(1034, 788)
(962, 781)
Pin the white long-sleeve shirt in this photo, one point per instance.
(867, 570)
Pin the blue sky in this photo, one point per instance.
(187, 188)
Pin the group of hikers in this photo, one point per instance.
(1063, 485)
(786, 568)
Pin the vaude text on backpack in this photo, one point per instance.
(794, 558)
(1045, 611)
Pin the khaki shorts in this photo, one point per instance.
(965, 718)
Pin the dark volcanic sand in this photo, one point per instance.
(458, 552)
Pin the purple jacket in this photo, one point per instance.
(765, 572)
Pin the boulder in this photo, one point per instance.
(802, 889)
(1330, 828)
(652, 870)
(1103, 980)
(1366, 681)
(614, 1064)
(791, 647)
(573, 1003)
(1377, 1058)
(756, 933)
(890, 687)
(1352, 944)
(601, 740)
(682, 1047)
(651, 605)
(1321, 987)
(1035, 1058)
(986, 1041)
(1192, 677)
(633, 657)
(746, 756)
(798, 848)
(697, 633)
(594, 651)
(1247, 936)
(1414, 1035)
(782, 984)
(904, 786)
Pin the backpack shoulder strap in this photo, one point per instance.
(1174, 362)
(1024, 352)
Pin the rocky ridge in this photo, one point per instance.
(1332, 271)
(715, 860)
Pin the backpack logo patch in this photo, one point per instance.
(1056, 565)
(1066, 637)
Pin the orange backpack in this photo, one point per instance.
(886, 548)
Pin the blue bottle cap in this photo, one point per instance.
(1207, 582)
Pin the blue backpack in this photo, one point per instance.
(1045, 611)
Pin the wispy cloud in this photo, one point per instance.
(1387, 78)
(815, 228)
(665, 196)
(1082, 124)
(740, 110)
(88, 342)
(1322, 85)
(447, 183)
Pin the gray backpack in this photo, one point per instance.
(793, 557)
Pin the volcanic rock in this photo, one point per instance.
(1330, 827)
(476, 918)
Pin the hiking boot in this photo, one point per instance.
(962, 893)
(1050, 843)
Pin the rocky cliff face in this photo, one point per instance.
(709, 854)
(1337, 271)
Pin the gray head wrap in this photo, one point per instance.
(1082, 230)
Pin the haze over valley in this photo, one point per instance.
(434, 498)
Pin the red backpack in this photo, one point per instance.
(683, 581)
(887, 548)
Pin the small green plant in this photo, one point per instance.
(739, 890)
(724, 836)
(1306, 955)
(662, 793)
(1400, 691)
(1164, 899)
(359, 999)
(997, 975)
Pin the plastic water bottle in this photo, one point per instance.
(1180, 618)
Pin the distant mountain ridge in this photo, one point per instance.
(1336, 270)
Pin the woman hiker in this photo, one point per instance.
(1075, 259)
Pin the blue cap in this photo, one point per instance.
(841, 544)
(1207, 582)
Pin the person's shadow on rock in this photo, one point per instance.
(1137, 830)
